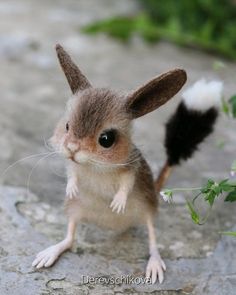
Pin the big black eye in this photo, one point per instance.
(67, 127)
(107, 138)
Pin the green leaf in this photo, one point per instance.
(193, 213)
(225, 186)
(118, 27)
(169, 193)
(229, 233)
(201, 27)
(233, 167)
(217, 65)
(225, 106)
(231, 197)
(210, 197)
(222, 182)
(232, 102)
(220, 144)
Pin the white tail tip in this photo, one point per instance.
(203, 95)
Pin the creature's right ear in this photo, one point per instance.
(75, 78)
(155, 93)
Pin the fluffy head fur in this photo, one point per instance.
(92, 111)
(97, 109)
(203, 95)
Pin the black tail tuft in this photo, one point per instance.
(185, 130)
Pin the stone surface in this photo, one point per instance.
(33, 96)
(196, 264)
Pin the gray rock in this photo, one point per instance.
(98, 254)
(33, 96)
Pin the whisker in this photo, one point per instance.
(134, 157)
(19, 161)
(47, 146)
(53, 170)
(56, 173)
(35, 166)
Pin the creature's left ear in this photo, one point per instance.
(155, 93)
(75, 78)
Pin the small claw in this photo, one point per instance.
(148, 272)
(119, 209)
(118, 203)
(161, 279)
(35, 262)
(47, 257)
(155, 269)
(154, 276)
(112, 204)
(163, 265)
(114, 207)
(49, 262)
(123, 209)
(72, 190)
(41, 263)
(160, 275)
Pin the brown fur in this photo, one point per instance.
(97, 170)
(109, 182)
(75, 78)
(94, 108)
(155, 93)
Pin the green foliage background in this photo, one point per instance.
(205, 24)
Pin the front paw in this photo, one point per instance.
(155, 268)
(118, 203)
(72, 190)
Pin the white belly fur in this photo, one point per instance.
(93, 203)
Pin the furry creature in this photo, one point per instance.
(109, 182)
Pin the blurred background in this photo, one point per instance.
(120, 44)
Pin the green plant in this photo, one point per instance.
(206, 24)
(229, 108)
(209, 192)
(212, 189)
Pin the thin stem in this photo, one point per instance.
(185, 189)
(195, 198)
(206, 217)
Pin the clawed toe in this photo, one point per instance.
(46, 258)
(155, 268)
(118, 203)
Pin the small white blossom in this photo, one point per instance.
(167, 196)
(232, 173)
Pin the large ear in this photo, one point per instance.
(75, 78)
(155, 93)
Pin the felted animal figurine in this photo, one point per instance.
(109, 183)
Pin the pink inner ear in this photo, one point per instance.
(155, 93)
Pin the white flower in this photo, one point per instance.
(232, 173)
(167, 196)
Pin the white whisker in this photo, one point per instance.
(134, 157)
(19, 161)
(35, 166)
(47, 146)
(57, 174)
